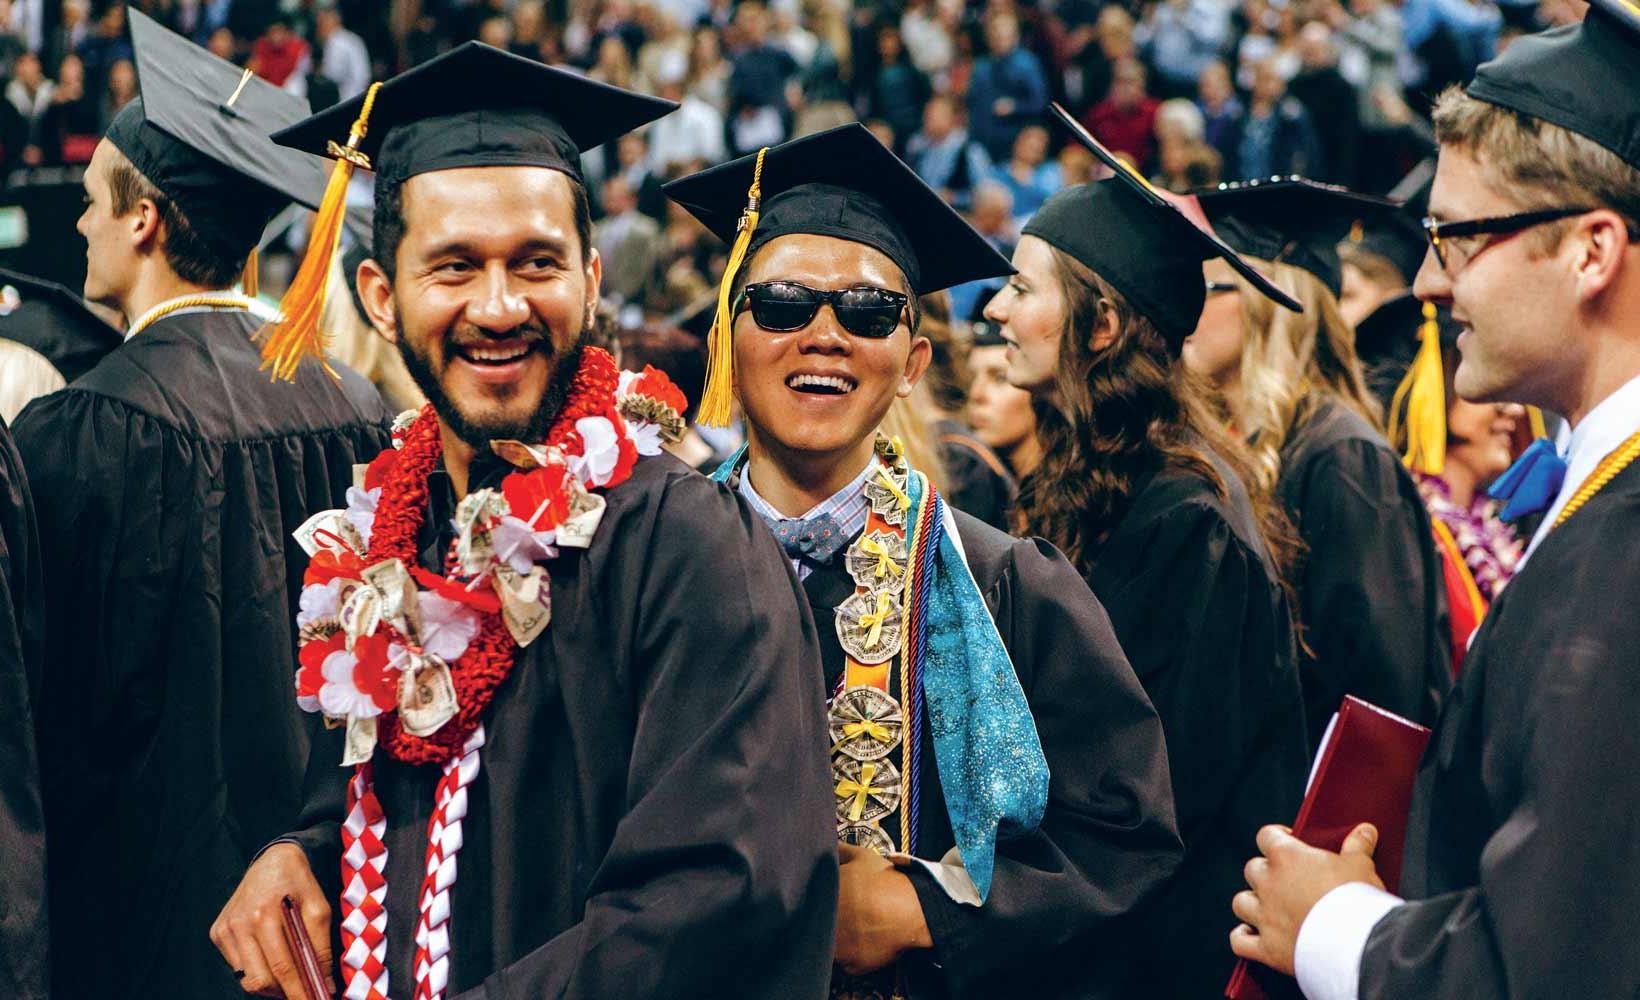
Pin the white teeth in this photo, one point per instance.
(837, 382)
(495, 354)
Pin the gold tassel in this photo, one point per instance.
(1534, 419)
(1423, 390)
(250, 281)
(296, 334)
(717, 398)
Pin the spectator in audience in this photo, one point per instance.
(691, 134)
(106, 46)
(1277, 137)
(789, 34)
(898, 91)
(346, 61)
(12, 44)
(223, 44)
(529, 28)
(1185, 162)
(1007, 90)
(929, 29)
(31, 94)
(1125, 121)
(121, 90)
(945, 156)
(633, 164)
(1222, 113)
(1179, 38)
(1076, 165)
(628, 242)
(65, 37)
(758, 112)
(1030, 177)
(281, 57)
(1272, 33)
(1369, 43)
(1332, 103)
(1087, 79)
(992, 217)
(708, 71)
(614, 62)
(72, 125)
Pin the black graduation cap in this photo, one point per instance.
(478, 106)
(984, 332)
(841, 182)
(1580, 77)
(474, 106)
(1292, 220)
(54, 321)
(199, 132)
(1140, 242)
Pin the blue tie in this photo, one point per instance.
(817, 539)
(1532, 483)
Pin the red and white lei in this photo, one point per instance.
(408, 660)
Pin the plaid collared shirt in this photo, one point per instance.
(848, 507)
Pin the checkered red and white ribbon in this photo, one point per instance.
(443, 843)
(364, 892)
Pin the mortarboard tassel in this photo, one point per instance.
(296, 333)
(250, 280)
(717, 398)
(1423, 390)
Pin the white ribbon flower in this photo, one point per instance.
(361, 510)
(600, 451)
(320, 602)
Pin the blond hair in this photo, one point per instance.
(917, 438)
(1538, 164)
(25, 375)
(1290, 361)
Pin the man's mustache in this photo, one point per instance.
(531, 333)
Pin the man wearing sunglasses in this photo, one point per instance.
(1519, 866)
(1001, 781)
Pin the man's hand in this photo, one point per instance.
(250, 930)
(1287, 882)
(878, 914)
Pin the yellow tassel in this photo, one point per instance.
(1534, 419)
(1423, 391)
(296, 334)
(250, 281)
(717, 398)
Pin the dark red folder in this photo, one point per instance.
(1363, 774)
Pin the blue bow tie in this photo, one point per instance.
(817, 539)
(1532, 483)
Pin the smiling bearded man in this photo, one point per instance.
(568, 672)
(1000, 780)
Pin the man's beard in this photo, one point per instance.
(479, 434)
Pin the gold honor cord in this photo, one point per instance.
(1603, 473)
(189, 302)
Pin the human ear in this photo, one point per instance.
(376, 293)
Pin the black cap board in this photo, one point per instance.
(1291, 220)
(199, 133)
(1140, 242)
(843, 182)
(479, 106)
(54, 321)
(1580, 77)
(984, 332)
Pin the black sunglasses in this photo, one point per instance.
(863, 310)
(1500, 225)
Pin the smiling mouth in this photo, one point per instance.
(821, 385)
(503, 353)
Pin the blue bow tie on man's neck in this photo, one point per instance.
(817, 539)
(1531, 484)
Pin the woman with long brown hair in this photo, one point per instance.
(1371, 590)
(1142, 489)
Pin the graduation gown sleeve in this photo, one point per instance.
(1107, 837)
(1371, 598)
(1207, 629)
(23, 936)
(1522, 846)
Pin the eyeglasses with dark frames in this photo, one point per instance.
(1441, 233)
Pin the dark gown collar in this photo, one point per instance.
(438, 529)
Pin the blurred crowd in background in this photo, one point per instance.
(1193, 92)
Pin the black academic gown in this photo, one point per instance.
(1201, 613)
(1372, 592)
(1108, 836)
(977, 481)
(1524, 834)
(23, 938)
(648, 819)
(168, 481)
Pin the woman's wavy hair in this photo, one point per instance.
(1114, 412)
(1292, 361)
